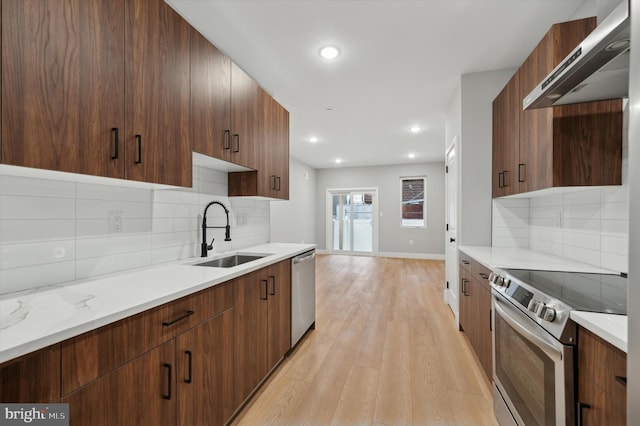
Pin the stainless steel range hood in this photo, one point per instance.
(597, 69)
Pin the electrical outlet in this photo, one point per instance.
(116, 222)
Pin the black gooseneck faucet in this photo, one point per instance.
(227, 235)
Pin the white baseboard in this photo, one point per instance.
(429, 256)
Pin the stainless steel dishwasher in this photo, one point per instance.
(303, 294)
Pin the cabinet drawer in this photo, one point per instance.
(465, 260)
(96, 353)
(481, 273)
(601, 362)
(189, 311)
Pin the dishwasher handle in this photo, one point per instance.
(304, 259)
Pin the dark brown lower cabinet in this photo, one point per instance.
(33, 378)
(204, 356)
(262, 301)
(602, 374)
(475, 311)
(141, 392)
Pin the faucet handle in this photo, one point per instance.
(210, 246)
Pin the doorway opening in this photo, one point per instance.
(352, 227)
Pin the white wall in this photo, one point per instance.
(469, 117)
(54, 228)
(393, 238)
(294, 221)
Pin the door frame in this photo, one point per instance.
(451, 263)
(329, 215)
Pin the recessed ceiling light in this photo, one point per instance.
(313, 139)
(412, 155)
(415, 129)
(329, 52)
(338, 161)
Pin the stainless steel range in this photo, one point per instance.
(534, 340)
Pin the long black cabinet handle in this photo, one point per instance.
(504, 178)
(273, 182)
(278, 180)
(189, 355)
(521, 173)
(236, 143)
(266, 289)
(466, 262)
(227, 139)
(490, 322)
(186, 315)
(581, 405)
(483, 275)
(115, 132)
(273, 285)
(501, 180)
(169, 368)
(622, 380)
(139, 149)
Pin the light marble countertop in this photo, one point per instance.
(612, 328)
(517, 258)
(34, 319)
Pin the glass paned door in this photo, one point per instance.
(352, 227)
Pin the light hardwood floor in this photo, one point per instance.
(385, 351)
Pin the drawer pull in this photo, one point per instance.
(168, 394)
(116, 142)
(464, 287)
(466, 262)
(483, 275)
(186, 315)
(266, 290)
(622, 380)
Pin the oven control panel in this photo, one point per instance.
(525, 298)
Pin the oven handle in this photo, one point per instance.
(527, 332)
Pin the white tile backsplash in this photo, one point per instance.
(54, 231)
(590, 226)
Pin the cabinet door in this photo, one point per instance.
(205, 367)
(506, 139)
(250, 332)
(279, 321)
(33, 378)
(210, 98)
(141, 392)
(245, 118)
(63, 85)
(157, 69)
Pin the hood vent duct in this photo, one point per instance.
(597, 69)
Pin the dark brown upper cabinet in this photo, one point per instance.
(246, 137)
(97, 87)
(157, 88)
(506, 139)
(210, 98)
(272, 177)
(572, 145)
(63, 85)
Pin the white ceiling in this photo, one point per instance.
(400, 63)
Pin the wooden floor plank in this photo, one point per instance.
(386, 351)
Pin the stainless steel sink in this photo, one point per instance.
(231, 261)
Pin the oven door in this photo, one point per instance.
(533, 372)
